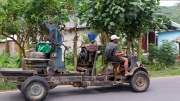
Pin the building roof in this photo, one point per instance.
(9, 39)
(70, 25)
(176, 25)
(177, 39)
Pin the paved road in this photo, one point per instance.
(161, 89)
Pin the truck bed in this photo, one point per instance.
(16, 72)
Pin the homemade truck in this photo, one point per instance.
(42, 72)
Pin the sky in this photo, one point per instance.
(168, 2)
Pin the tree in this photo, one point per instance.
(172, 12)
(18, 17)
(72, 6)
(10, 24)
(132, 18)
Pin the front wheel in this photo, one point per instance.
(139, 82)
(34, 88)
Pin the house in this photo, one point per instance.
(156, 37)
(69, 33)
(178, 41)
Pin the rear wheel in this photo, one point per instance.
(34, 88)
(139, 82)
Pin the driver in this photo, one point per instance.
(113, 55)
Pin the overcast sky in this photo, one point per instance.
(168, 3)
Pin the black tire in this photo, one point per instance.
(139, 82)
(34, 88)
(84, 55)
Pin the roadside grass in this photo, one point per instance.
(171, 71)
(9, 86)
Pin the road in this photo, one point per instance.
(161, 89)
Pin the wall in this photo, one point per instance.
(170, 35)
(69, 36)
(12, 47)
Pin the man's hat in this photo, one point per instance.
(113, 37)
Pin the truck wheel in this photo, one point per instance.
(139, 82)
(34, 88)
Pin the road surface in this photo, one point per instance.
(161, 89)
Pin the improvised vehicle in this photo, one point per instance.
(42, 72)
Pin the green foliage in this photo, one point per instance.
(131, 17)
(153, 52)
(172, 12)
(84, 39)
(21, 16)
(164, 56)
(7, 61)
(3, 58)
(156, 66)
(167, 53)
(172, 70)
(9, 86)
(144, 60)
(70, 60)
(99, 65)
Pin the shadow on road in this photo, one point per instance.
(57, 93)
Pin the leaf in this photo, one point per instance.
(104, 14)
(117, 11)
(4, 58)
(122, 15)
(109, 27)
(122, 9)
(112, 23)
(106, 21)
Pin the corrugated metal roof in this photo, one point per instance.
(70, 25)
(174, 24)
(9, 39)
(178, 39)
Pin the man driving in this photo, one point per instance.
(113, 55)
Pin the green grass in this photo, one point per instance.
(171, 71)
(9, 86)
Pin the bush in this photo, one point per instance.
(144, 60)
(165, 55)
(153, 52)
(70, 61)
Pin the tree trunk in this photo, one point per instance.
(128, 51)
(7, 46)
(26, 46)
(19, 49)
(139, 48)
(104, 40)
(133, 46)
(133, 50)
(75, 48)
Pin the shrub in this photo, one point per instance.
(165, 55)
(153, 52)
(70, 60)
